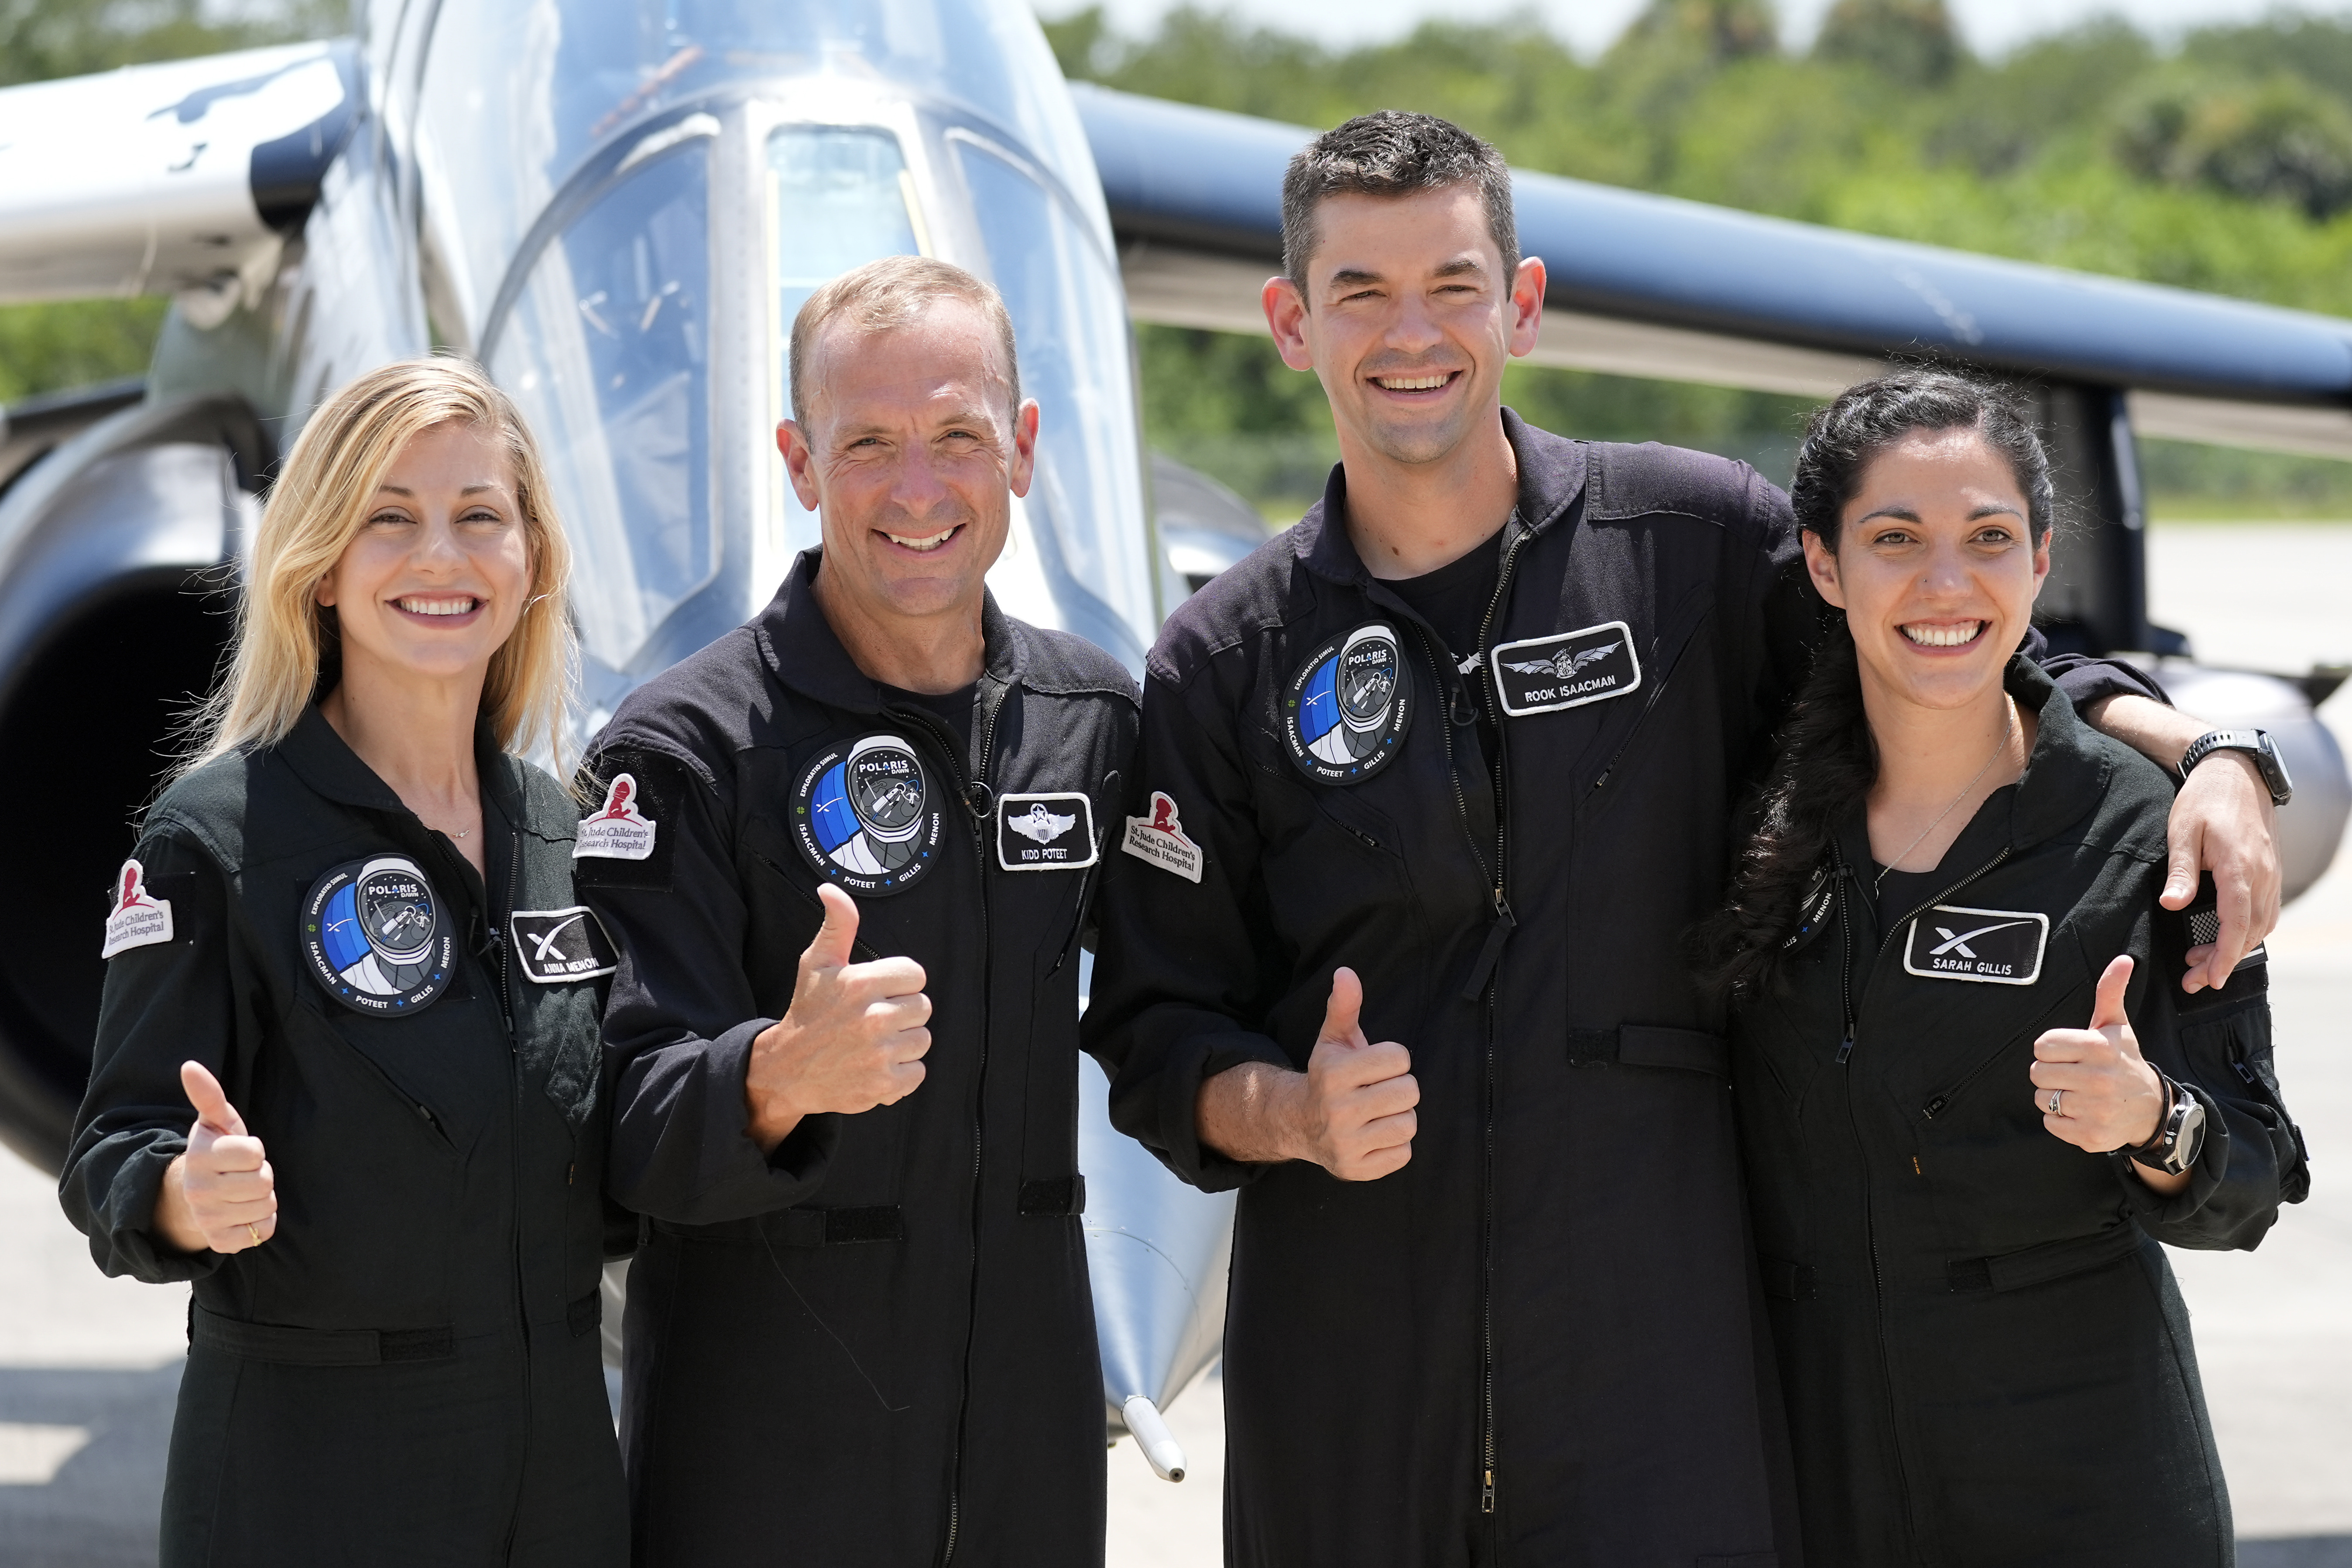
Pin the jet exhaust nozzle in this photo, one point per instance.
(1153, 1436)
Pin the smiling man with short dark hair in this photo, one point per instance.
(1431, 789)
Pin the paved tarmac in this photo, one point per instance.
(89, 1367)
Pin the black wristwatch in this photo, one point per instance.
(2257, 742)
(2178, 1137)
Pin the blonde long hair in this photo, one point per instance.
(319, 503)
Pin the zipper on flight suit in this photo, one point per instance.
(979, 804)
(1869, 1215)
(499, 942)
(497, 939)
(1483, 973)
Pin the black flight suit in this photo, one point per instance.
(1541, 1341)
(1984, 1356)
(875, 1345)
(407, 1371)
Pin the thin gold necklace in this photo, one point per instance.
(2007, 726)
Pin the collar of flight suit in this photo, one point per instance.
(2066, 776)
(802, 652)
(332, 769)
(1551, 477)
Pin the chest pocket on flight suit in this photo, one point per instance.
(1601, 769)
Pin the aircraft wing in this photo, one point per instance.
(176, 178)
(1654, 286)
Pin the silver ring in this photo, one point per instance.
(2055, 1096)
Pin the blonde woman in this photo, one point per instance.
(347, 939)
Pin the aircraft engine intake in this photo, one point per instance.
(112, 553)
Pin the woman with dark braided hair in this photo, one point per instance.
(1972, 1093)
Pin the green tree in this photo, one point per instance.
(2280, 138)
(1908, 41)
(2218, 165)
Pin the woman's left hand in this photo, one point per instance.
(2106, 1096)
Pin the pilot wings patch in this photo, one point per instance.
(1045, 832)
(1543, 675)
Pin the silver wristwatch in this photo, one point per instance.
(2178, 1137)
(2257, 742)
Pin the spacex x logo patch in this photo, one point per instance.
(555, 946)
(1543, 675)
(1045, 832)
(1996, 946)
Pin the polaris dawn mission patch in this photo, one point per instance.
(1544, 674)
(1345, 710)
(866, 816)
(1045, 832)
(1994, 946)
(376, 937)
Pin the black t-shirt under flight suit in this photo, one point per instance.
(875, 1345)
(407, 1370)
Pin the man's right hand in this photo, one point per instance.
(853, 1039)
(1351, 1111)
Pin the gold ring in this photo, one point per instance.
(249, 1230)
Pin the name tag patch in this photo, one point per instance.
(618, 831)
(556, 946)
(1045, 832)
(1994, 946)
(136, 919)
(1160, 840)
(1544, 674)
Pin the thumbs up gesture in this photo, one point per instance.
(1356, 1119)
(2106, 1096)
(221, 1195)
(852, 1038)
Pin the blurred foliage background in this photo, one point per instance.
(2222, 161)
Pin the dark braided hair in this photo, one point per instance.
(1824, 759)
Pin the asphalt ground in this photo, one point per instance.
(89, 1366)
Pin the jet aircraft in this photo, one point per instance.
(617, 206)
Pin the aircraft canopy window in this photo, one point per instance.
(607, 350)
(837, 198)
(1069, 318)
(523, 91)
